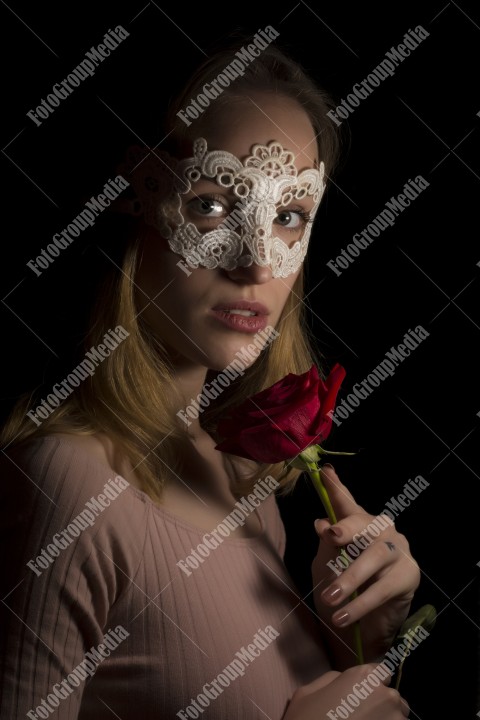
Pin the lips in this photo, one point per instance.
(244, 316)
(244, 307)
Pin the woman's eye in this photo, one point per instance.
(207, 207)
(292, 219)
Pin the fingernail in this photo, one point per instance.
(332, 593)
(340, 618)
(334, 531)
(328, 465)
(316, 525)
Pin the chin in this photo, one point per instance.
(231, 358)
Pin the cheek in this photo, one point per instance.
(288, 283)
(283, 289)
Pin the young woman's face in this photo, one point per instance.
(186, 307)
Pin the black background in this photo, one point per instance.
(423, 271)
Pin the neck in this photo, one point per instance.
(189, 380)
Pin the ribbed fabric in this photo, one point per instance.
(122, 571)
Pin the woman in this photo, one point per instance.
(113, 478)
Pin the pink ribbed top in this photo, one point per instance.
(183, 631)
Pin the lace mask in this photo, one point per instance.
(247, 227)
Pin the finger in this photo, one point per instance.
(379, 593)
(321, 526)
(405, 707)
(374, 561)
(340, 496)
(320, 682)
(360, 528)
(380, 670)
(384, 674)
(330, 536)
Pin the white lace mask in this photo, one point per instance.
(247, 227)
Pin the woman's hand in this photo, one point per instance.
(354, 690)
(384, 574)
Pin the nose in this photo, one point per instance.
(251, 275)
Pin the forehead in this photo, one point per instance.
(259, 119)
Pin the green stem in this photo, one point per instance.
(323, 494)
(331, 452)
(399, 674)
(400, 667)
(322, 491)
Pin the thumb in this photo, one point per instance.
(320, 682)
(340, 496)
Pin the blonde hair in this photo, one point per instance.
(272, 72)
(131, 397)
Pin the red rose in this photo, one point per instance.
(280, 422)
